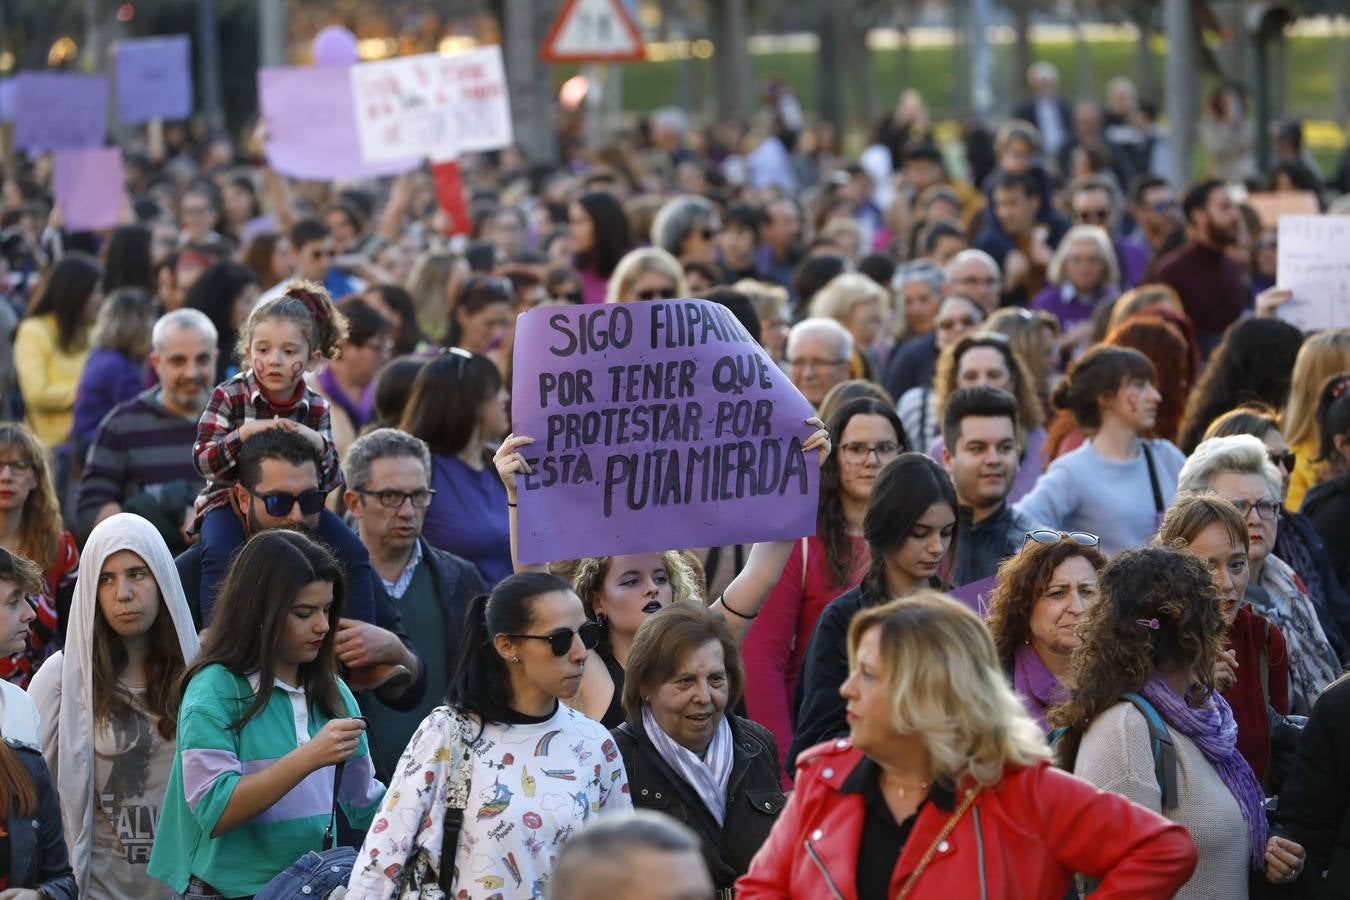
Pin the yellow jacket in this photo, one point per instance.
(1306, 474)
(48, 377)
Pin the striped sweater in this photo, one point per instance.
(212, 757)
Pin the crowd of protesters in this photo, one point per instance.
(1073, 618)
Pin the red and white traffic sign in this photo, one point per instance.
(593, 31)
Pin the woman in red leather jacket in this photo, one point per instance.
(943, 788)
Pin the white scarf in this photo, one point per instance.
(63, 688)
(707, 775)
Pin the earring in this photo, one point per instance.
(515, 659)
(601, 619)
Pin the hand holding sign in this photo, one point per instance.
(651, 426)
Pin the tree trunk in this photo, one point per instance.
(1146, 74)
(731, 60)
(854, 38)
(1021, 10)
(1082, 63)
(524, 25)
(1182, 108)
(829, 97)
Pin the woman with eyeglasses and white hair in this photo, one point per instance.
(1236, 468)
(648, 273)
(943, 787)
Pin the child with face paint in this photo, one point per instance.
(283, 339)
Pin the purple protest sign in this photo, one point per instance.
(657, 426)
(56, 111)
(89, 187)
(311, 125)
(154, 78)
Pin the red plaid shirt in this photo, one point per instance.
(238, 400)
(20, 667)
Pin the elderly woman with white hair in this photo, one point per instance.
(685, 227)
(1083, 274)
(1237, 469)
(648, 273)
(860, 305)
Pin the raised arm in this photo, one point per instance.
(510, 463)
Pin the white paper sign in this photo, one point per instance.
(431, 105)
(1314, 263)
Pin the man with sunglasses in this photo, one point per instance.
(1153, 206)
(279, 488)
(388, 473)
(1094, 200)
(980, 453)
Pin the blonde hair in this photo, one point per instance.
(1094, 235)
(1032, 334)
(1321, 356)
(768, 299)
(125, 323)
(1192, 512)
(1142, 297)
(844, 293)
(429, 286)
(587, 577)
(635, 264)
(941, 671)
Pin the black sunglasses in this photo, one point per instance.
(1287, 459)
(656, 294)
(560, 641)
(1047, 536)
(279, 504)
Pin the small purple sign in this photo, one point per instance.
(89, 187)
(56, 111)
(154, 78)
(659, 425)
(311, 125)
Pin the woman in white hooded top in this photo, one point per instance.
(108, 708)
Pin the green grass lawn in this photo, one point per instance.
(933, 71)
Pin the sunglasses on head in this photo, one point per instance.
(1287, 459)
(1047, 536)
(560, 641)
(279, 504)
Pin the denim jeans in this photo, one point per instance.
(311, 876)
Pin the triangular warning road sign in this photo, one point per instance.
(593, 31)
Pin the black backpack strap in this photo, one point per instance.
(1164, 751)
(328, 835)
(1158, 504)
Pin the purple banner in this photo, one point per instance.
(311, 125)
(660, 425)
(89, 187)
(55, 111)
(154, 78)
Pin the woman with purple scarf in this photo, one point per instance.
(1042, 595)
(1157, 631)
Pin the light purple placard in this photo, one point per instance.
(90, 187)
(311, 125)
(56, 111)
(154, 78)
(8, 97)
(659, 425)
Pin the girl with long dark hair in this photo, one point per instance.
(262, 724)
(108, 703)
(600, 237)
(522, 768)
(910, 527)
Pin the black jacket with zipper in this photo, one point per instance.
(754, 795)
(1314, 807)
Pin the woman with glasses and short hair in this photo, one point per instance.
(1041, 597)
(1298, 541)
(1236, 468)
(821, 567)
(524, 769)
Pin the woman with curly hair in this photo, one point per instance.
(31, 527)
(620, 592)
(1041, 597)
(1252, 364)
(1153, 642)
(821, 567)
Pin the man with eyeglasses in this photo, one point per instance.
(278, 487)
(980, 452)
(1153, 207)
(818, 353)
(388, 473)
(1094, 200)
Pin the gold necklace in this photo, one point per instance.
(921, 786)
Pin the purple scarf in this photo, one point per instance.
(1035, 685)
(360, 410)
(1212, 729)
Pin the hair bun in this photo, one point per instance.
(1063, 397)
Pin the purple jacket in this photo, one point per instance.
(108, 378)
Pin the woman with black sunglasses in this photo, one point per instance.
(524, 769)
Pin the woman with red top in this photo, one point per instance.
(944, 787)
(1211, 527)
(31, 527)
(829, 563)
